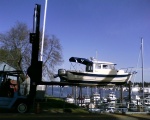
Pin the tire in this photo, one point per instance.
(22, 107)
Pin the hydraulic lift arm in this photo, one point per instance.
(35, 69)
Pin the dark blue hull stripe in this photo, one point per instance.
(93, 82)
(98, 75)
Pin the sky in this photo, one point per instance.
(110, 30)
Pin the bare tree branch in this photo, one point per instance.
(16, 50)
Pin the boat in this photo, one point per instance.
(104, 100)
(111, 98)
(146, 90)
(147, 100)
(83, 100)
(95, 72)
(135, 89)
(135, 99)
(87, 99)
(69, 99)
(95, 98)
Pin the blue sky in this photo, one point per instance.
(113, 28)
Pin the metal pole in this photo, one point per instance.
(41, 57)
(142, 67)
(121, 94)
(129, 91)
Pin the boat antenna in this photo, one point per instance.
(96, 55)
(41, 55)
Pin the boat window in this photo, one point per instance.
(108, 67)
(89, 68)
(112, 66)
(105, 66)
(98, 66)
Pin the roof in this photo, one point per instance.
(87, 61)
(104, 62)
(80, 60)
(6, 67)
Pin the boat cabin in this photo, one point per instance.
(93, 65)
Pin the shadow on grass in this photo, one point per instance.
(58, 109)
(136, 116)
(139, 116)
(59, 116)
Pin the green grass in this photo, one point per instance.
(57, 105)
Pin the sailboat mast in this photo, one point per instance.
(142, 68)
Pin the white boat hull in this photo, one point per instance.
(96, 72)
(85, 77)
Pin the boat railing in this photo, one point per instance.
(127, 70)
(76, 67)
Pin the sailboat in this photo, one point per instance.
(136, 99)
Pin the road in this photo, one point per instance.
(67, 116)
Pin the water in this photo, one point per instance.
(62, 92)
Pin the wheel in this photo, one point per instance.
(22, 108)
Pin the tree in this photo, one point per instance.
(16, 50)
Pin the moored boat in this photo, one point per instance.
(147, 100)
(111, 98)
(95, 98)
(87, 99)
(69, 99)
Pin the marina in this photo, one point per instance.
(117, 92)
(102, 99)
(95, 85)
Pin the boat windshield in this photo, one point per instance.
(89, 68)
(104, 66)
(111, 66)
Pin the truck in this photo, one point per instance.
(11, 93)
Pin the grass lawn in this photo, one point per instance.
(57, 105)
